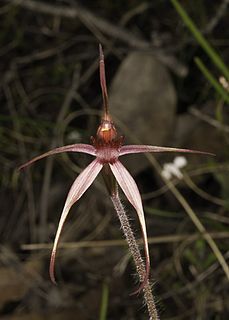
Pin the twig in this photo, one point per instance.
(22, 151)
(221, 11)
(49, 163)
(139, 9)
(86, 17)
(91, 20)
(202, 193)
(190, 237)
(206, 118)
(191, 285)
(200, 227)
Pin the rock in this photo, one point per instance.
(143, 97)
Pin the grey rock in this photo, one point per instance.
(143, 97)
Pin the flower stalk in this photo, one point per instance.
(135, 252)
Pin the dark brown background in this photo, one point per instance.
(50, 95)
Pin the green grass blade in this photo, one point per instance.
(212, 79)
(211, 52)
(104, 302)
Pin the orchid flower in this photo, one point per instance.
(107, 147)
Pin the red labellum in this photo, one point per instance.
(106, 131)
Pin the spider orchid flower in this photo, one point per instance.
(107, 147)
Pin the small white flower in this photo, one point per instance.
(166, 174)
(180, 162)
(224, 83)
(173, 168)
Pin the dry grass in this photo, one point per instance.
(50, 96)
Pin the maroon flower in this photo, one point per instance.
(107, 147)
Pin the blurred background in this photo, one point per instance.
(168, 85)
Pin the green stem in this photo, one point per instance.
(211, 52)
(104, 302)
(212, 79)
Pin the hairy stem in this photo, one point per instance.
(134, 249)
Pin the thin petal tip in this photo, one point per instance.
(53, 280)
(211, 154)
(204, 153)
(20, 168)
(51, 268)
(101, 55)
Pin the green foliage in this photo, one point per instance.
(223, 179)
(199, 255)
(104, 302)
(219, 89)
(211, 52)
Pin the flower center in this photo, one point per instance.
(106, 131)
(107, 154)
(106, 142)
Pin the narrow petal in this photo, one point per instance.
(103, 79)
(143, 149)
(131, 191)
(84, 148)
(80, 185)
